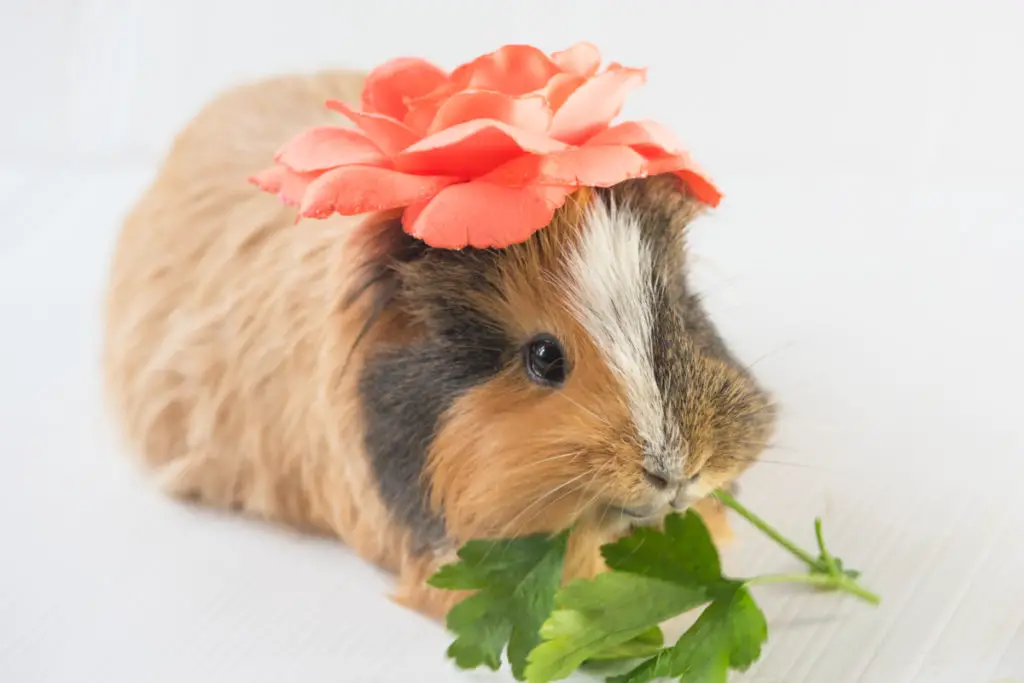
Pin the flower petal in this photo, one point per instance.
(701, 187)
(482, 215)
(582, 59)
(290, 186)
(529, 112)
(590, 166)
(421, 115)
(389, 86)
(650, 139)
(323, 147)
(421, 110)
(558, 89)
(594, 104)
(512, 69)
(352, 190)
(553, 195)
(390, 135)
(691, 174)
(472, 148)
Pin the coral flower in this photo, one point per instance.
(484, 155)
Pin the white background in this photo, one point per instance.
(867, 258)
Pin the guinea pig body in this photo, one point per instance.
(340, 376)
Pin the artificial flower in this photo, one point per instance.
(482, 156)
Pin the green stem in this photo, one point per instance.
(822, 580)
(768, 530)
(825, 570)
(826, 556)
(839, 582)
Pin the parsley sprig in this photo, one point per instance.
(548, 631)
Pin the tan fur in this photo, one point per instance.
(224, 337)
(226, 341)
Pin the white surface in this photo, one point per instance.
(868, 258)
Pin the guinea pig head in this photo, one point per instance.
(573, 376)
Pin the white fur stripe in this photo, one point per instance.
(610, 290)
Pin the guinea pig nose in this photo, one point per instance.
(660, 474)
(681, 500)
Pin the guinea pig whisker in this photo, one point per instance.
(510, 525)
(750, 366)
(594, 474)
(630, 441)
(537, 512)
(571, 454)
(604, 511)
(757, 459)
(767, 446)
(507, 530)
(780, 462)
(599, 493)
(601, 419)
(597, 471)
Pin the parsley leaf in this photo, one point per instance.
(654, 575)
(646, 644)
(727, 635)
(598, 616)
(516, 580)
(683, 553)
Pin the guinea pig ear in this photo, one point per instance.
(662, 203)
(384, 246)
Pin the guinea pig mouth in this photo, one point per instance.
(641, 513)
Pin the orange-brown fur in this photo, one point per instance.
(227, 340)
(575, 445)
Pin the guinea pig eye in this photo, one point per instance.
(545, 361)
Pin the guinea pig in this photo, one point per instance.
(341, 376)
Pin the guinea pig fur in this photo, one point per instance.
(340, 376)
